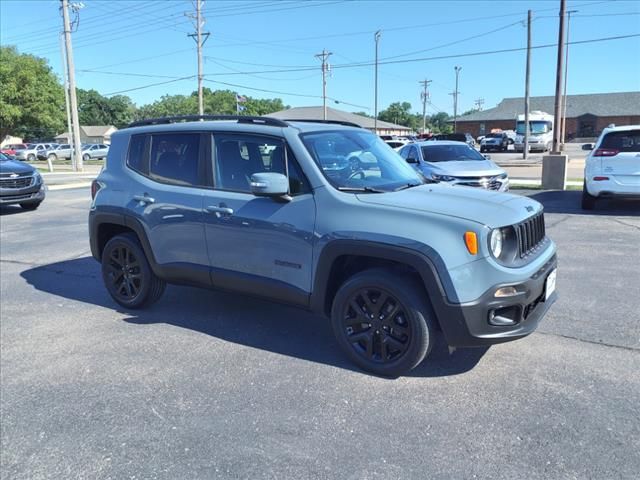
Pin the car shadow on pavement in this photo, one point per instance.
(233, 318)
(569, 201)
(11, 210)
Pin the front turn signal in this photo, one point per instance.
(471, 241)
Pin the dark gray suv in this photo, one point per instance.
(324, 216)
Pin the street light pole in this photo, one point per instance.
(455, 101)
(566, 74)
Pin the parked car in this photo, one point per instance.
(498, 142)
(94, 151)
(455, 163)
(455, 137)
(42, 154)
(20, 183)
(59, 152)
(612, 168)
(30, 153)
(396, 144)
(10, 150)
(389, 257)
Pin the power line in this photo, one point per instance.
(357, 65)
(149, 86)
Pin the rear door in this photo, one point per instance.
(166, 197)
(619, 153)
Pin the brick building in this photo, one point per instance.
(587, 115)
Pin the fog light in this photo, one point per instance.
(506, 292)
(504, 317)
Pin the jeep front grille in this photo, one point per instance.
(530, 234)
(17, 182)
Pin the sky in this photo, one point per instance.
(267, 49)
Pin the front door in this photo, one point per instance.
(256, 244)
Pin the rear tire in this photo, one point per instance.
(127, 274)
(588, 200)
(482, 149)
(383, 322)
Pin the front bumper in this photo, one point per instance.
(469, 324)
(34, 194)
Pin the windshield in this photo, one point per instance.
(359, 160)
(537, 127)
(494, 135)
(3, 157)
(448, 153)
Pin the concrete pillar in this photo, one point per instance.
(554, 172)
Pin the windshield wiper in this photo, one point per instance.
(361, 189)
(407, 185)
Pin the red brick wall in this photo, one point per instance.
(571, 130)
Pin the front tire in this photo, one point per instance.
(127, 274)
(31, 157)
(53, 157)
(383, 322)
(588, 200)
(482, 149)
(86, 157)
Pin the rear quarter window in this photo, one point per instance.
(136, 155)
(627, 141)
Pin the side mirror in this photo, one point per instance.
(269, 184)
(488, 157)
(587, 146)
(412, 160)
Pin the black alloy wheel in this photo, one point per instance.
(127, 273)
(383, 321)
(123, 270)
(375, 325)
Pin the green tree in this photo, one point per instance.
(169, 105)
(400, 114)
(95, 109)
(31, 97)
(438, 123)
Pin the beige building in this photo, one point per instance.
(90, 134)
(317, 113)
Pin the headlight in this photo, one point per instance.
(495, 242)
(442, 178)
(37, 177)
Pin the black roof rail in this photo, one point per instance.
(274, 122)
(335, 122)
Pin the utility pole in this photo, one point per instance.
(559, 67)
(479, 103)
(65, 82)
(424, 95)
(324, 56)
(566, 73)
(76, 153)
(525, 149)
(376, 37)
(198, 37)
(455, 100)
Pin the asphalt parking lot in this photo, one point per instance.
(212, 385)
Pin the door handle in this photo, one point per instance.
(224, 210)
(144, 198)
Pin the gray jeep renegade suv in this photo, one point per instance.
(324, 216)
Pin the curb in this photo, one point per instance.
(69, 186)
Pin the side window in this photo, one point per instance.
(174, 158)
(404, 151)
(237, 157)
(135, 159)
(413, 153)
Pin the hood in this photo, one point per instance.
(466, 168)
(486, 207)
(13, 166)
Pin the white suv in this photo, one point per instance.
(612, 169)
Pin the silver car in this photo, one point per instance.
(62, 151)
(31, 152)
(97, 150)
(455, 163)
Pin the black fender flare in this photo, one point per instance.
(426, 261)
